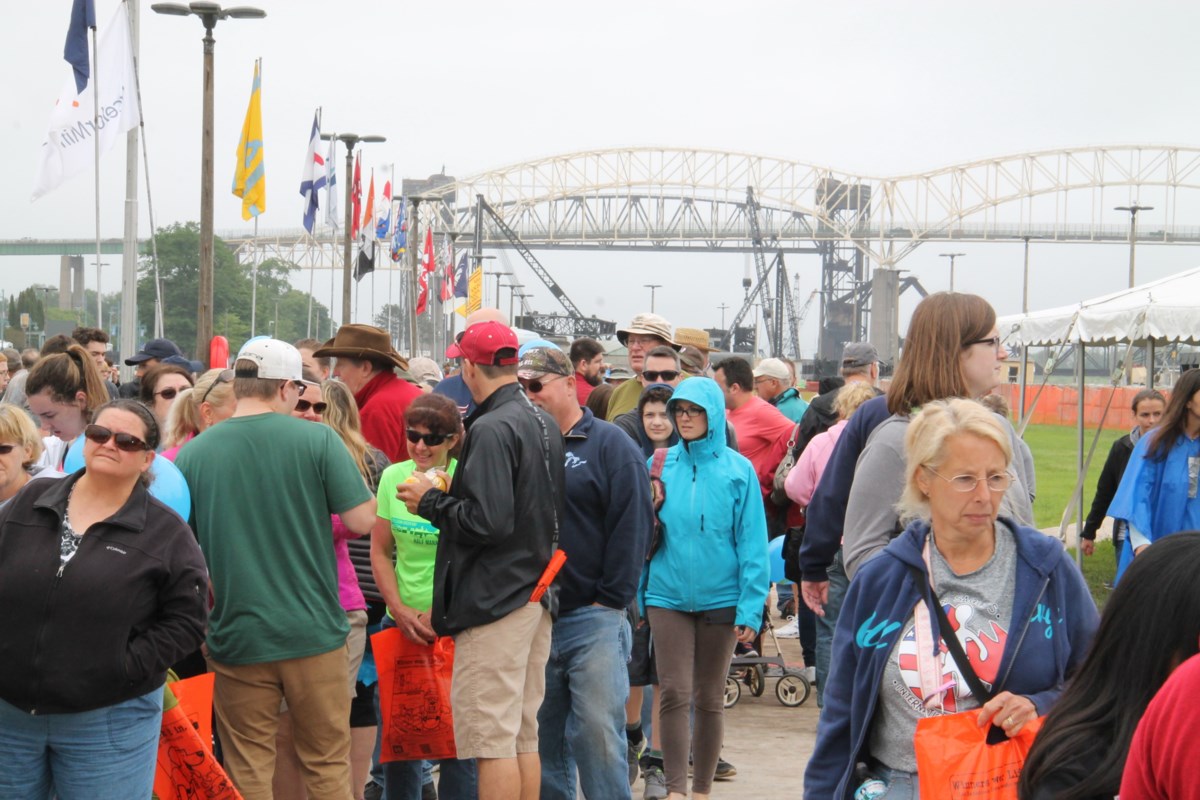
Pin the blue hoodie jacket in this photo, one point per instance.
(1054, 619)
(713, 550)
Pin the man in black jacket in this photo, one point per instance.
(498, 527)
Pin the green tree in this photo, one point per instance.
(179, 272)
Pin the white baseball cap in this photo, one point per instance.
(276, 360)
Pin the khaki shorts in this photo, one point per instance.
(499, 681)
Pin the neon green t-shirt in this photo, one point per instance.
(416, 540)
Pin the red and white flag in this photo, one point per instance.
(427, 266)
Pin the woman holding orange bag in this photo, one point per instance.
(1019, 608)
(403, 547)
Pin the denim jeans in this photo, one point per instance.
(838, 584)
(900, 785)
(105, 754)
(581, 724)
(457, 780)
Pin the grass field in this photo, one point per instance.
(1054, 457)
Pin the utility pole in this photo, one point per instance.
(951, 256)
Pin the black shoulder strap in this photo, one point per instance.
(982, 693)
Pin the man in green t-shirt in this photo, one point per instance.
(264, 486)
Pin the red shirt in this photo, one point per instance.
(1162, 756)
(582, 388)
(381, 404)
(762, 436)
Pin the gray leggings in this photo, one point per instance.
(693, 660)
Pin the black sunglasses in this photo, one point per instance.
(5, 449)
(124, 441)
(430, 439)
(225, 376)
(303, 405)
(664, 375)
(535, 386)
(170, 392)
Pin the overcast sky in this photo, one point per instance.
(873, 88)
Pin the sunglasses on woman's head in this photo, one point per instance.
(225, 376)
(430, 439)
(303, 406)
(124, 441)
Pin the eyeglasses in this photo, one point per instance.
(430, 439)
(663, 375)
(994, 341)
(225, 376)
(634, 340)
(5, 449)
(691, 412)
(303, 406)
(997, 483)
(535, 386)
(124, 441)
(170, 392)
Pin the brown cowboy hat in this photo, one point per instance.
(362, 341)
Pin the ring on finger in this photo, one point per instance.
(1008, 723)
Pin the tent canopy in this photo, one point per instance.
(1165, 310)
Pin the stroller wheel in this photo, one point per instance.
(792, 690)
(755, 680)
(733, 691)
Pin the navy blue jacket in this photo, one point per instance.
(1053, 622)
(826, 514)
(608, 518)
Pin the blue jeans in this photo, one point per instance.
(900, 785)
(457, 780)
(581, 724)
(105, 754)
(838, 584)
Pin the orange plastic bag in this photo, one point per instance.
(955, 761)
(186, 767)
(414, 697)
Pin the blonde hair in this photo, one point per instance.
(183, 420)
(851, 396)
(341, 414)
(18, 428)
(925, 444)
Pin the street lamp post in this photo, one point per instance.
(99, 308)
(951, 256)
(512, 293)
(1133, 212)
(350, 140)
(209, 13)
(522, 296)
(723, 307)
(652, 287)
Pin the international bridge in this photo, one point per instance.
(861, 227)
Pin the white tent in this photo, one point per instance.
(1164, 310)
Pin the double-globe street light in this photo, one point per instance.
(350, 140)
(209, 13)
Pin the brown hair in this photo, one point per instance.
(86, 336)
(439, 414)
(253, 388)
(312, 345)
(598, 400)
(1174, 419)
(930, 367)
(157, 373)
(67, 374)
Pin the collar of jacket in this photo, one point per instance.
(373, 386)
(581, 428)
(132, 515)
(507, 393)
(1040, 553)
(786, 394)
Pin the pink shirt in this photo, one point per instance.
(802, 481)
(348, 592)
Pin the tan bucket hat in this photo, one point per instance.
(648, 325)
(694, 337)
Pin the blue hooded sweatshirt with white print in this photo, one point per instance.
(713, 545)
(1053, 621)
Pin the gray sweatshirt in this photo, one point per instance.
(871, 517)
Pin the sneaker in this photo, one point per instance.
(428, 791)
(656, 783)
(810, 675)
(744, 650)
(633, 754)
(789, 630)
(725, 771)
(373, 791)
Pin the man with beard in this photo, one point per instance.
(587, 355)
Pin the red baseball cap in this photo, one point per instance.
(490, 343)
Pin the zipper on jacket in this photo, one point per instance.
(692, 547)
(37, 648)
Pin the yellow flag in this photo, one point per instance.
(474, 292)
(249, 178)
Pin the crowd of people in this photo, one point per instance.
(592, 549)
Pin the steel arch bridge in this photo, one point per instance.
(648, 198)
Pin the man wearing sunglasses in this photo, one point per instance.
(499, 526)
(264, 487)
(605, 533)
(773, 383)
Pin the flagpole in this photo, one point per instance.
(312, 271)
(129, 254)
(96, 142)
(254, 284)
